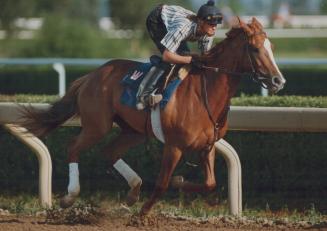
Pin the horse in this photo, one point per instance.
(194, 118)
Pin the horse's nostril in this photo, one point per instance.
(276, 81)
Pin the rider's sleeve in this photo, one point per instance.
(205, 44)
(173, 38)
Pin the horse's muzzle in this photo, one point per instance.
(273, 84)
(277, 83)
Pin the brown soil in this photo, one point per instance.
(131, 223)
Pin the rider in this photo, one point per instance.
(170, 27)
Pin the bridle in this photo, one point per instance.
(254, 75)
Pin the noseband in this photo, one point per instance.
(253, 74)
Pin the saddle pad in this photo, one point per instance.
(133, 79)
(135, 76)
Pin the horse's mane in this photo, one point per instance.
(219, 47)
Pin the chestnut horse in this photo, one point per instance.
(193, 119)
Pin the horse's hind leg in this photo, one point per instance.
(89, 136)
(114, 151)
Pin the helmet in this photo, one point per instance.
(210, 14)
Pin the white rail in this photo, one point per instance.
(287, 33)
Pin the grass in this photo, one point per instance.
(311, 215)
(25, 98)
(243, 100)
(281, 101)
(22, 204)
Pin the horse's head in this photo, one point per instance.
(261, 60)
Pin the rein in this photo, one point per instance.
(234, 73)
(253, 74)
(217, 124)
(222, 118)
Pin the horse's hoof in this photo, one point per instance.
(145, 210)
(67, 201)
(177, 182)
(133, 195)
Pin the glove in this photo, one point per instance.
(197, 62)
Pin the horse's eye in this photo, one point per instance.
(254, 49)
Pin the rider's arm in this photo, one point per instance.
(171, 42)
(171, 57)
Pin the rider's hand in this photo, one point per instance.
(197, 61)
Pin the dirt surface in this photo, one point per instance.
(132, 223)
(82, 217)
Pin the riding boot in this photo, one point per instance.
(146, 95)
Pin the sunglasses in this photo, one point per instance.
(213, 19)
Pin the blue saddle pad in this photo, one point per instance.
(133, 79)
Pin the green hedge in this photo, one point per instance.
(275, 166)
(243, 100)
(43, 80)
(93, 44)
(306, 81)
(35, 80)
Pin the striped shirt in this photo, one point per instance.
(181, 28)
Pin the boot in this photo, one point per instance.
(146, 95)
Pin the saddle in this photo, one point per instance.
(166, 85)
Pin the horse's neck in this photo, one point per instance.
(193, 95)
(222, 87)
(219, 91)
(231, 55)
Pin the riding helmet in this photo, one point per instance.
(210, 13)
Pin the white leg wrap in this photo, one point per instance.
(73, 186)
(129, 174)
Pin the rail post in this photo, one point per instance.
(60, 69)
(44, 159)
(234, 176)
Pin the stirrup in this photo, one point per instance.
(150, 100)
(154, 99)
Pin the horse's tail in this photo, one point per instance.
(41, 122)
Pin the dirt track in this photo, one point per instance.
(119, 217)
(126, 223)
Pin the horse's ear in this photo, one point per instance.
(256, 24)
(236, 22)
(239, 20)
(246, 28)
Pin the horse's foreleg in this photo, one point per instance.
(170, 158)
(208, 162)
(114, 152)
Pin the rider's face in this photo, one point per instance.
(208, 29)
